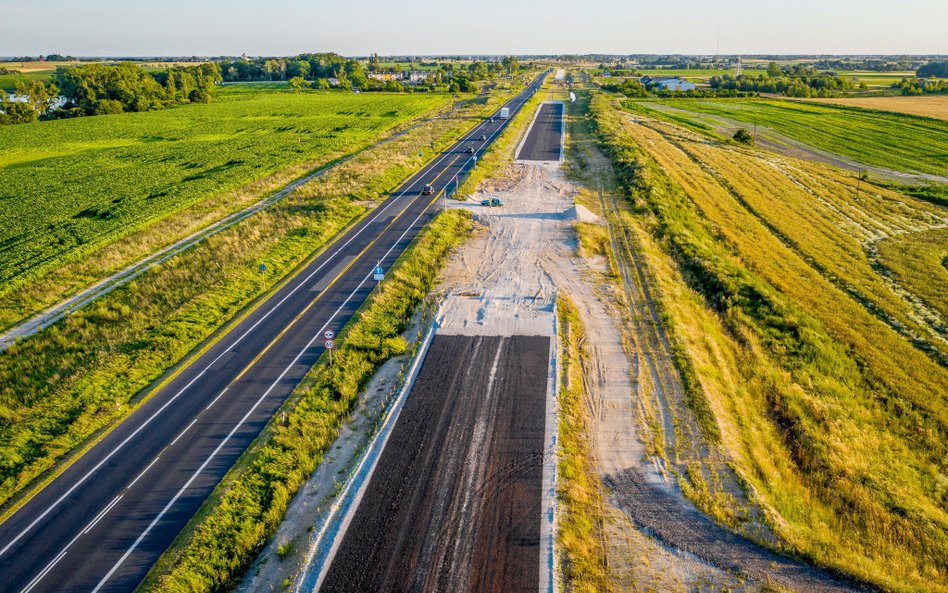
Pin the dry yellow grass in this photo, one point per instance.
(38, 66)
(833, 418)
(927, 106)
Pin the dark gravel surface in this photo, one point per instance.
(683, 527)
(454, 503)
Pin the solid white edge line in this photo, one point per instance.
(201, 373)
(375, 215)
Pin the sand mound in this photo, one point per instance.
(580, 213)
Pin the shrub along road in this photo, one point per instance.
(103, 522)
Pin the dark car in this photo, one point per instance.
(482, 137)
(469, 150)
(428, 190)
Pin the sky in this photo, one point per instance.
(449, 27)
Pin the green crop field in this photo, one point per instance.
(7, 81)
(890, 140)
(70, 186)
(702, 74)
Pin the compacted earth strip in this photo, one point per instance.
(454, 502)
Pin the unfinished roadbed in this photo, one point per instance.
(454, 502)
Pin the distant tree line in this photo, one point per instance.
(792, 81)
(939, 69)
(868, 65)
(98, 89)
(635, 89)
(317, 70)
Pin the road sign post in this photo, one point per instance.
(378, 273)
(329, 346)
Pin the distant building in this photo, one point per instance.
(668, 84)
(417, 76)
(333, 81)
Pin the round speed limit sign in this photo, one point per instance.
(330, 344)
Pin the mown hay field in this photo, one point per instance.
(935, 106)
(894, 141)
(821, 353)
(68, 187)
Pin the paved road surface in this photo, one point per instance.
(544, 142)
(454, 501)
(104, 521)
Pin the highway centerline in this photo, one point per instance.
(447, 161)
(338, 249)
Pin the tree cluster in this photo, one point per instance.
(33, 99)
(95, 89)
(98, 89)
(919, 86)
(792, 81)
(317, 69)
(937, 69)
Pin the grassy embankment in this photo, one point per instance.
(69, 382)
(894, 141)
(248, 506)
(834, 420)
(580, 524)
(100, 179)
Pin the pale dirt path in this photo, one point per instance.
(504, 281)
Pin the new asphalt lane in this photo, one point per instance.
(544, 142)
(102, 523)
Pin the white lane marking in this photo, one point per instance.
(42, 574)
(149, 420)
(181, 434)
(316, 336)
(214, 401)
(139, 476)
(102, 514)
(227, 438)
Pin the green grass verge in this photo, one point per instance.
(251, 501)
(580, 523)
(501, 151)
(68, 383)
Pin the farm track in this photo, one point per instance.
(660, 509)
(770, 139)
(51, 315)
(688, 530)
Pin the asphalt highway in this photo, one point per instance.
(544, 142)
(102, 523)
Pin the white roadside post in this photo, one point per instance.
(329, 344)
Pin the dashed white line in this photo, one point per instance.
(138, 477)
(102, 514)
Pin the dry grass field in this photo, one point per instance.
(809, 306)
(935, 106)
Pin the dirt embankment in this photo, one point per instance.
(505, 280)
